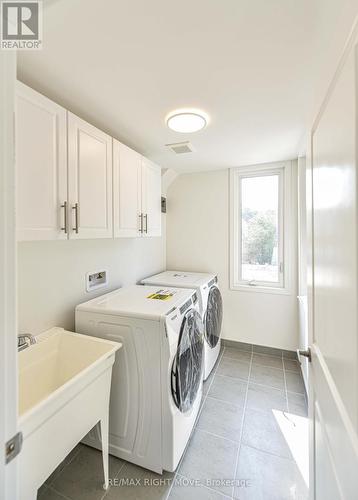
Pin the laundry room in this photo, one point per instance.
(179, 250)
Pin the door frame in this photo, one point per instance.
(8, 336)
(318, 369)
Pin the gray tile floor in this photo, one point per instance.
(237, 449)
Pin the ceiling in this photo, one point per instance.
(255, 66)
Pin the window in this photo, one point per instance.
(259, 226)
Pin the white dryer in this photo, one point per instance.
(157, 376)
(211, 306)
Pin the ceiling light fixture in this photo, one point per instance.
(186, 121)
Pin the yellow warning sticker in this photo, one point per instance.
(161, 295)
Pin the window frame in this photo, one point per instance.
(283, 169)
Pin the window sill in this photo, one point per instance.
(261, 289)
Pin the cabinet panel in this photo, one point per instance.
(90, 180)
(151, 198)
(66, 179)
(127, 168)
(41, 166)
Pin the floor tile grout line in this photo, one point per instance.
(209, 387)
(257, 364)
(251, 382)
(115, 477)
(50, 485)
(272, 387)
(231, 377)
(204, 399)
(242, 425)
(65, 497)
(286, 394)
(305, 394)
(297, 393)
(173, 480)
(64, 467)
(196, 420)
(238, 359)
(298, 371)
(268, 355)
(206, 487)
(272, 367)
(237, 444)
(266, 385)
(245, 361)
(271, 453)
(235, 378)
(267, 366)
(225, 401)
(195, 425)
(292, 357)
(243, 421)
(300, 374)
(218, 436)
(243, 417)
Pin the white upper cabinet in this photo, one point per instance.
(74, 181)
(90, 180)
(151, 198)
(136, 194)
(127, 196)
(41, 166)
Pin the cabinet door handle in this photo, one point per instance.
(64, 228)
(75, 208)
(140, 222)
(146, 223)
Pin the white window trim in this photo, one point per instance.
(285, 222)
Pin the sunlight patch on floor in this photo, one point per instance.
(295, 431)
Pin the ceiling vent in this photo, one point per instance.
(180, 148)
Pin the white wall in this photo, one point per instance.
(198, 240)
(51, 275)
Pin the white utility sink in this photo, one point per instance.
(64, 388)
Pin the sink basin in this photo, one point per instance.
(64, 387)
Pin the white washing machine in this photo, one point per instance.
(211, 306)
(157, 376)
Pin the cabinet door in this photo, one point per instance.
(127, 168)
(90, 180)
(41, 166)
(151, 198)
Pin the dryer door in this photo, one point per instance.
(187, 370)
(213, 317)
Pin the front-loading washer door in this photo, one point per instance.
(187, 369)
(213, 317)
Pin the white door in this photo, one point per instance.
(127, 202)
(8, 351)
(151, 198)
(333, 294)
(90, 180)
(41, 166)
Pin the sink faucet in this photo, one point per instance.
(25, 340)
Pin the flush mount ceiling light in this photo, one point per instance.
(187, 122)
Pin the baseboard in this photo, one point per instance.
(260, 349)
